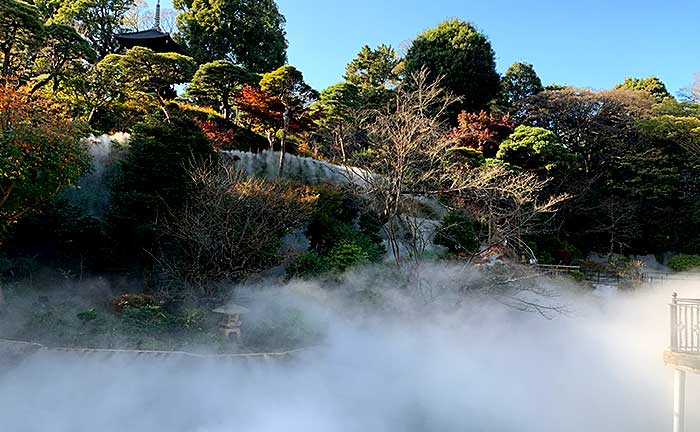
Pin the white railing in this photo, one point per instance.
(685, 325)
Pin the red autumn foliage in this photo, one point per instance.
(220, 137)
(482, 131)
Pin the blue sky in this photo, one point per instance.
(586, 43)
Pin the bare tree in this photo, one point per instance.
(508, 203)
(409, 160)
(409, 138)
(230, 226)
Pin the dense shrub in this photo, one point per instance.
(346, 253)
(339, 234)
(309, 264)
(153, 177)
(458, 233)
(684, 262)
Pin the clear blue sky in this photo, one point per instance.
(585, 43)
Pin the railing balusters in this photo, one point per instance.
(685, 325)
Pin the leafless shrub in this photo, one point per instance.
(230, 226)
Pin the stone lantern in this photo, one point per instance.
(230, 324)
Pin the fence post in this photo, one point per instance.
(674, 322)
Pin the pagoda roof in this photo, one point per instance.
(153, 39)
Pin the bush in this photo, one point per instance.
(124, 301)
(147, 319)
(345, 254)
(458, 233)
(231, 227)
(309, 264)
(684, 262)
(153, 177)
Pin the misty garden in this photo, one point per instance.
(193, 238)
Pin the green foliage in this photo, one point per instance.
(333, 235)
(519, 82)
(144, 70)
(374, 72)
(153, 176)
(307, 265)
(532, 148)
(147, 319)
(684, 262)
(652, 85)
(287, 83)
(347, 253)
(20, 31)
(97, 20)
(458, 233)
(458, 52)
(64, 53)
(245, 32)
(218, 83)
(87, 315)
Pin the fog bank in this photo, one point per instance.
(481, 367)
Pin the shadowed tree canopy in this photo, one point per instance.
(652, 85)
(64, 53)
(246, 32)
(20, 30)
(96, 20)
(463, 57)
(519, 82)
(144, 70)
(220, 82)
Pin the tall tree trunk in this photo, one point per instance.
(6, 61)
(283, 141)
(227, 107)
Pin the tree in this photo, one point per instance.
(691, 93)
(20, 30)
(287, 84)
(374, 72)
(482, 132)
(595, 126)
(519, 82)
(335, 113)
(264, 112)
(220, 82)
(147, 71)
(153, 180)
(532, 148)
(652, 85)
(96, 20)
(245, 32)
(96, 89)
(64, 53)
(409, 139)
(462, 56)
(600, 131)
(40, 153)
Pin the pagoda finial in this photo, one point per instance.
(156, 20)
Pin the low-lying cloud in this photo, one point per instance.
(481, 367)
